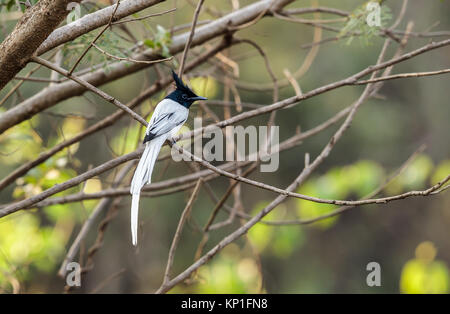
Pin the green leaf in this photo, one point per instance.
(149, 43)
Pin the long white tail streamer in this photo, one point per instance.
(142, 176)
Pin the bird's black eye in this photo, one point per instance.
(184, 96)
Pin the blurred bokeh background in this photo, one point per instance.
(408, 238)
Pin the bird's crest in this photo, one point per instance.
(179, 83)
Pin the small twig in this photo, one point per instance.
(143, 17)
(294, 83)
(402, 75)
(129, 59)
(191, 37)
(17, 86)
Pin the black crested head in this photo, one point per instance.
(183, 94)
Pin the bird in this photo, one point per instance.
(168, 117)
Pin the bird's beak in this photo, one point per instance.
(198, 98)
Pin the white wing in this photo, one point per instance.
(168, 115)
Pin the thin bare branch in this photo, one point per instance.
(128, 59)
(191, 37)
(143, 17)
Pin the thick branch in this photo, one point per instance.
(33, 28)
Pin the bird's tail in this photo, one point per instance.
(134, 217)
(143, 175)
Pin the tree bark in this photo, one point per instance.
(33, 28)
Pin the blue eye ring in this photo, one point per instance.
(184, 96)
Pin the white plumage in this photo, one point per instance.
(167, 119)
